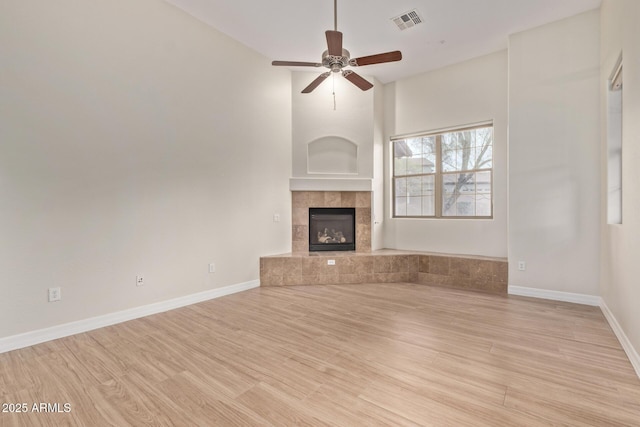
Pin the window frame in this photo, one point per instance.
(439, 172)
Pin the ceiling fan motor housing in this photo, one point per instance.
(335, 63)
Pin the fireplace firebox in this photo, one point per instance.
(332, 229)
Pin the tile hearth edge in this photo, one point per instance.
(386, 266)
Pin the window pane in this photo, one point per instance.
(429, 154)
(400, 166)
(414, 206)
(467, 150)
(467, 194)
(450, 160)
(428, 185)
(401, 206)
(428, 195)
(484, 148)
(466, 206)
(483, 193)
(414, 186)
(449, 194)
(400, 187)
(414, 156)
(483, 182)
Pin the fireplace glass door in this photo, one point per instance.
(332, 229)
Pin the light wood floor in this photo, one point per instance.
(374, 354)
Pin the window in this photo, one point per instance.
(614, 146)
(444, 174)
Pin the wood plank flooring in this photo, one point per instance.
(344, 355)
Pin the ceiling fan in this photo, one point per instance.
(336, 58)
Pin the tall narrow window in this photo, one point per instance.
(444, 174)
(614, 146)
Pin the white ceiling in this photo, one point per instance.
(453, 31)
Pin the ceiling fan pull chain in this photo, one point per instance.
(333, 79)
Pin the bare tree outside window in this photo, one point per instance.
(444, 174)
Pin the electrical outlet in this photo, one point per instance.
(522, 266)
(139, 281)
(212, 267)
(55, 294)
(276, 217)
(331, 262)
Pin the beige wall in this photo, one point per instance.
(620, 270)
(314, 117)
(554, 202)
(470, 92)
(133, 140)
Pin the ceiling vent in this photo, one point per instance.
(408, 19)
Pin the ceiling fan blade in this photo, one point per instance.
(357, 80)
(314, 84)
(334, 42)
(296, 64)
(380, 58)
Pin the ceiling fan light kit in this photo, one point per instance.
(336, 59)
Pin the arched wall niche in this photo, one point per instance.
(332, 155)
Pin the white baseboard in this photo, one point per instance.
(632, 354)
(555, 295)
(39, 336)
(593, 300)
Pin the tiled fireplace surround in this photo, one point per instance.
(301, 267)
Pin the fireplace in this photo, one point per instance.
(332, 229)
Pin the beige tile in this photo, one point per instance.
(299, 199)
(271, 266)
(332, 199)
(363, 237)
(300, 216)
(425, 278)
(459, 267)
(501, 271)
(300, 233)
(312, 266)
(346, 265)
(330, 279)
(413, 264)
(497, 288)
(434, 279)
(315, 199)
(389, 277)
(348, 199)
(292, 266)
(291, 280)
(481, 270)
(399, 263)
(424, 263)
(366, 278)
(300, 247)
(347, 279)
(310, 280)
(382, 264)
(363, 247)
(363, 199)
(363, 216)
(363, 265)
(271, 280)
(439, 265)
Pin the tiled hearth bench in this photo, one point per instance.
(386, 266)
